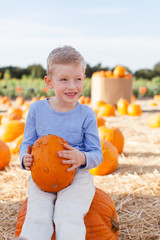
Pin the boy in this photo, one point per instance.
(63, 116)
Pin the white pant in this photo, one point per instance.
(67, 209)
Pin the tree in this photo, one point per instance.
(156, 68)
(36, 71)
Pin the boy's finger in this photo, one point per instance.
(29, 149)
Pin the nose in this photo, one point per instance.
(71, 85)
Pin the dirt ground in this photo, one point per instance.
(134, 186)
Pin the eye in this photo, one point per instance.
(63, 79)
(79, 79)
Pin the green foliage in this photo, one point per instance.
(36, 71)
(87, 87)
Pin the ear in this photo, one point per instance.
(84, 77)
(49, 82)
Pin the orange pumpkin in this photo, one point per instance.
(1, 116)
(110, 159)
(133, 98)
(119, 71)
(134, 109)
(5, 99)
(122, 106)
(5, 155)
(11, 130)
(157, 98)
(101, 220)
(109, 74)
(84, 100)
(100, 121)
(106, 110)
(15, 145)
(15, 110)
(48, 164)
(113, 135)
(19, 101)
(153, 121)
(9, 117)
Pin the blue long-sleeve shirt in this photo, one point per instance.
(78, 127)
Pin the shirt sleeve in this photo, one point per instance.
(30, 134)
(93, 150)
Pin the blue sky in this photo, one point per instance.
(109, 32)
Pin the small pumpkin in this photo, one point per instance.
(15, 110)
(47, 170)
(122, 106)
(110, 159)
(84, 100)
(5, 155)
(119, 71)
(156, 98)
(134, 109)
(153, 121)
(101, 220)
(15, 145)
(100, 121)
(9, 117)
(19, 101)
(113, 135)
(106, 110)
(11, 130)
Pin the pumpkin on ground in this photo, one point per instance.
(9, 117)
(101, 220)
(134, 109)
(11, 130)
(156, 98)
(153, 121)
(15, 110)
(5, 155)
(47, 170)
(106, 110)
(100, 121)
(122, 106)
(19, 101)
(113, 135)
(15, 145)
(110, 159)
(84, 100)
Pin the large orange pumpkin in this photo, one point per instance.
(106, 110)
(100, 221)
(154, 120)
(134, 109)
(47, 170)
(122, 106)
(5, 155)
(110, 159)
(113, 135)
(11, 130)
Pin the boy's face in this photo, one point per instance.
(67, 82)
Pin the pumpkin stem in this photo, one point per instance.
(115, 225)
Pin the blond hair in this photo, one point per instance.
(64, 55)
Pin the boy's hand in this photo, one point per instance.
(28, 158)
(75, 157)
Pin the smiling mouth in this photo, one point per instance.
(70, 94)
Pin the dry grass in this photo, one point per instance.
(134, 186)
